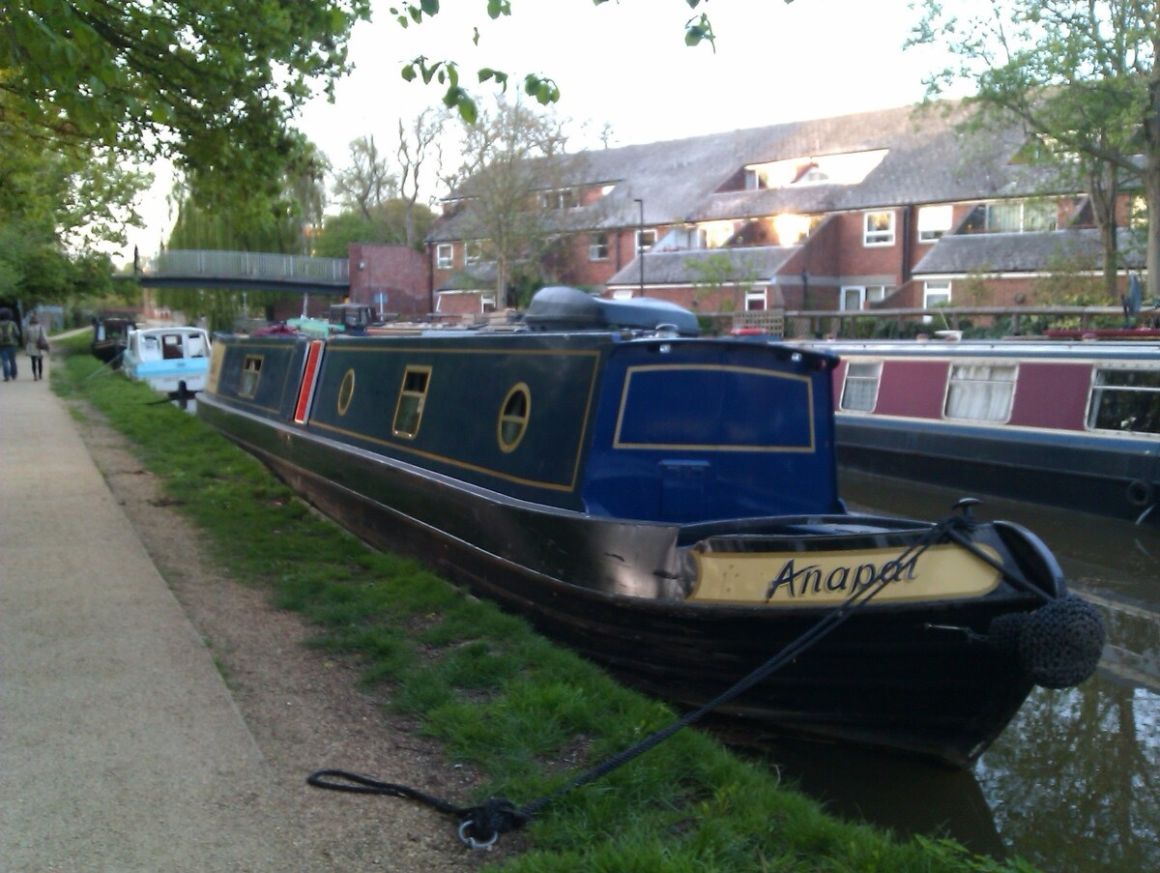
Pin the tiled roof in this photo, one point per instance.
(1024, 252)
(748, 264)
(928, 160)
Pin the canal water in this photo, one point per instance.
(1073, 784)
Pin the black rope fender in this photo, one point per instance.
(480, 826)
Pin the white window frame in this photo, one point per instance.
(934, 221)
(1144, 393)
(641, 236)
(980, 391)
(877, 237)
(939, 290)
(598, 247)
(859, 374)
(559, 198)
(866, 294)
(758, 296)
(444, 256)
(472, 252)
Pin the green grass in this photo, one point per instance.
(523, 712)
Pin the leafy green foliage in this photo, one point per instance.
(212, 84)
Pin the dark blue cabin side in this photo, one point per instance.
(700, 430)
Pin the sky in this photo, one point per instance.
(624, 66)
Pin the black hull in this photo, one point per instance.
(884, 679)
(1053, 472)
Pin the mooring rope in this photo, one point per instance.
(480, 826)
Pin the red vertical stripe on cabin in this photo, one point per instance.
(309, 373)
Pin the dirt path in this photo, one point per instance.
(304, 708)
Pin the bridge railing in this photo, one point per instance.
(247, 265)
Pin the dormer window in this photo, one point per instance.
(645, 240)
(934, 221)
(560, 198)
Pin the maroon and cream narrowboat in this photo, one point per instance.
(1073, 424)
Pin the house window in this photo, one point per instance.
(487, 302)
(412, 399)
(472, 252)
(860, 389)
(980, 392)
(443, 256)
(598, 247)
(645, 240)
(561, 198)
(855, 297)
(755, 300)
(251, 372)
(935, 294)
(934, 221)
(878, 228)
(1020, 216)
(1125, 400)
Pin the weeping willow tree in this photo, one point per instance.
(276, 220)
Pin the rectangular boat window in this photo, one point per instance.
(412, 398)
(251, 371)
(1125, 400)
(860, 390)
(980, 392)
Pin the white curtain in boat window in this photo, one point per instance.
(860, 390)
(980, 392)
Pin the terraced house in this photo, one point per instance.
(896, 208)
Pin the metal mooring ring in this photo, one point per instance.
(471, 841)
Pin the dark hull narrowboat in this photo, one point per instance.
(110, 337)
(666, 505)
(1071, 424)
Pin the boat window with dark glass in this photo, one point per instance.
(1125, 400)
(980, 392)
(513, 417)
(412, 397)
(860, 390)
(251, 372)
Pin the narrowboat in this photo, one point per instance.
(667, 505)
(110, 336)
(1074, 424)
(172, 360)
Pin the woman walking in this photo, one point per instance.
(36, 344)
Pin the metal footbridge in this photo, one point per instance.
(248, 271)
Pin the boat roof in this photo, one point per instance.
(998, 348)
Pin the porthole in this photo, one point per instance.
(513, 417)
(345, 392)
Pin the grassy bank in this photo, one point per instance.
(525, 713)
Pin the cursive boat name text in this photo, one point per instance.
(850, 578)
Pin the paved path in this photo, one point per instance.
(121, 749)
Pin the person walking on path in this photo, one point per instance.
(9, 340)
(36, 344)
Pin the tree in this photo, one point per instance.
(212, 84)
(367, 182)
(390, 223)
(1081, 77)
(512, 158)
(414, 149)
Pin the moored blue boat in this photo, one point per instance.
(667, 505)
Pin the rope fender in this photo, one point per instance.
(1058, 645)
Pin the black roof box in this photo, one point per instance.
(563, 308)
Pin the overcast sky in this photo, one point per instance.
(624, 65)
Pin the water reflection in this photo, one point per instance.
(1073, 783)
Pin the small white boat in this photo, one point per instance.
(172, 360)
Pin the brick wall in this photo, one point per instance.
(399, 273)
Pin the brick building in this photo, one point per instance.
(895, 208)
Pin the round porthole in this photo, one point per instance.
(513, 417)
(345, 392)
